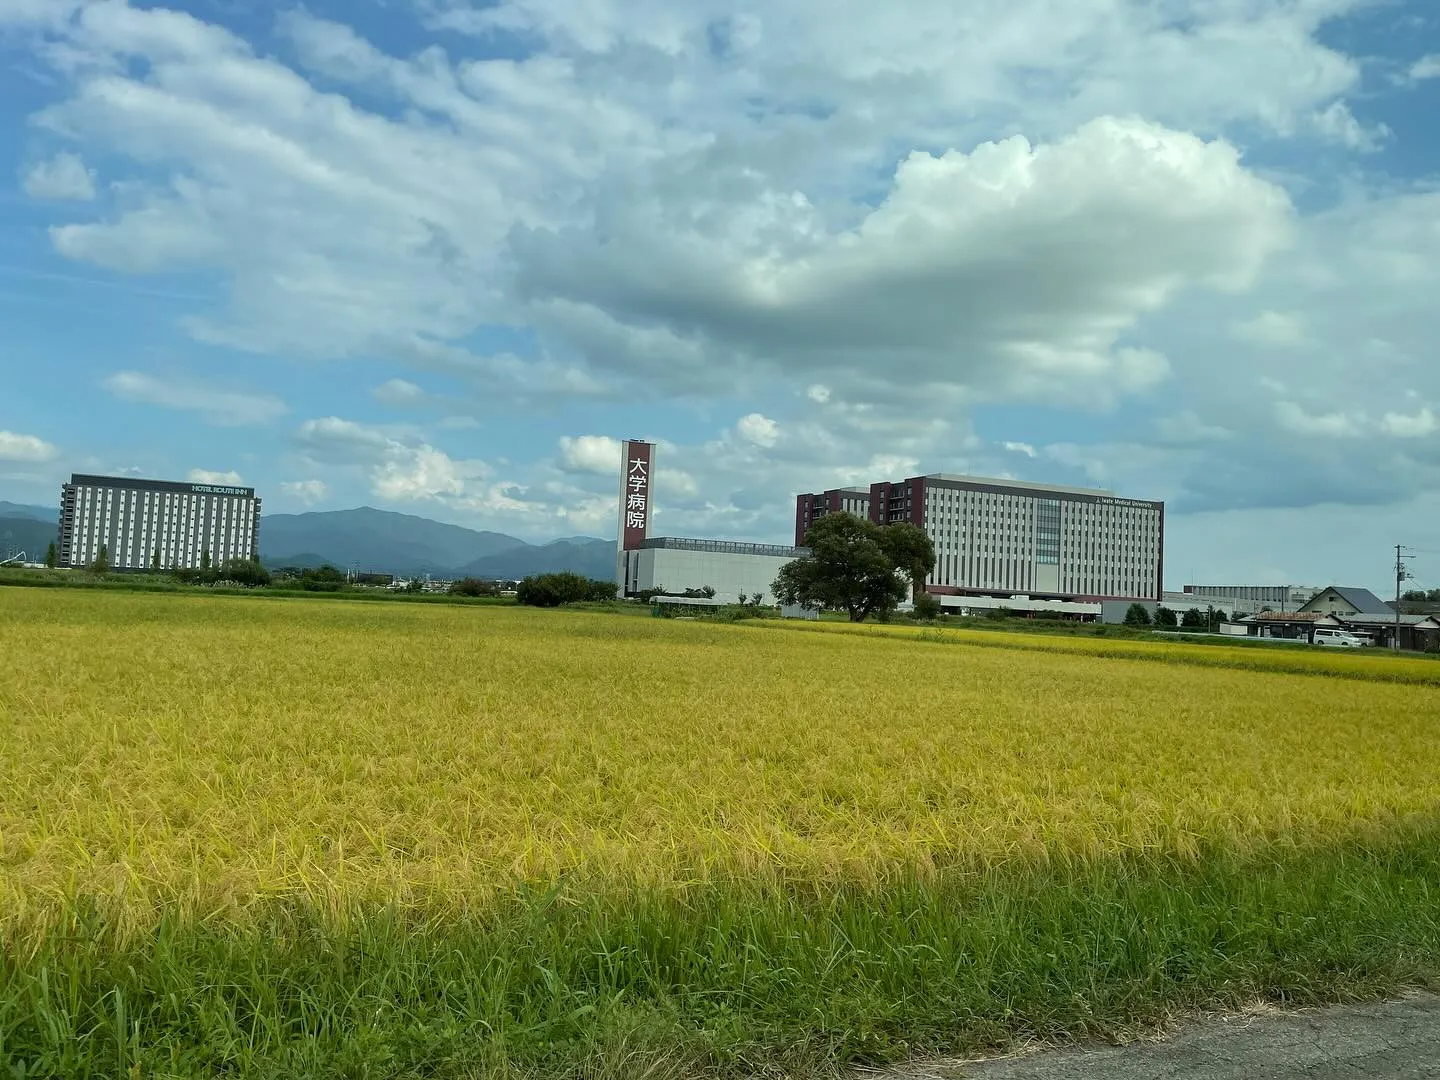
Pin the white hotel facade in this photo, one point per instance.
(140, 522)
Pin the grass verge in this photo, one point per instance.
(725, 980)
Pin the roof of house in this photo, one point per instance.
(1287, 616)
(1362, 600)
(1425, 621)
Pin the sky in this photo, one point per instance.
(437, 256)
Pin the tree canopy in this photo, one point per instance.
(857, 566)
(1137, 615)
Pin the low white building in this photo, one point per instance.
(729, 567)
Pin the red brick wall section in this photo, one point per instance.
(879, 502)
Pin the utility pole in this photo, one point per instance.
(1400, 575)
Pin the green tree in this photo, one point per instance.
(927, 607)
(51, 556)
(1194, 619)
(205, 564)
(155, 562)
(101, 565)
(552, 590)
(247, 572)
(1220, 616)
(1137, 615)
(474, 587)
(856, 566)
(1166, 617)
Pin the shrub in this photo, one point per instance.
(926, 606)
(474, 587)
(552, 590)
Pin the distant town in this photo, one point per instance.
(1002, 547)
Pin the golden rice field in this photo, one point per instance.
(208, 752)
(204, 762)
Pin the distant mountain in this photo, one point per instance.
(582, 555)
(378, 540)
(23, 510)
(25, 534)
(384, 542)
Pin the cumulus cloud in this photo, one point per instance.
(65, 176)
(591, 453)
(26, 448)
(676, 200)
(230, 478)
(344, 230)
(1427, 67)
(308, 492)
(995, 270)
(398, 469)
(758, 429)
(228, 408)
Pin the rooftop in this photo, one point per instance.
(959, 478)
(1362, 600)
(726, 547)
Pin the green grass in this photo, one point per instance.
(725, 980)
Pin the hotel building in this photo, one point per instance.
(142, 522)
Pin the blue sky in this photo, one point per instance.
(436, 256)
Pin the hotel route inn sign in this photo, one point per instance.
(636, 466)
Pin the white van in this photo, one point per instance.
(1341, 639)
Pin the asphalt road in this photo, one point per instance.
(1396, 1040)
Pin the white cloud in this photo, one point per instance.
(1339, 424)
(64, 176)
(228, 408)
(398, 469)
(758, 429)
(230, 478)
(598, 454)
(995, 270)
(1020, 448)
(308, 492)
(1410, 426)
(26, 448)
(712, 204)
(1427, 67)
(675, 484)
(1338, 124)
(343, 229)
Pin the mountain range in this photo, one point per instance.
(367, 539)
(382, 541)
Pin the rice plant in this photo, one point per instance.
(310, 838)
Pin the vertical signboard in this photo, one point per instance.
(636, 468)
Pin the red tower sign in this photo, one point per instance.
(636, 467)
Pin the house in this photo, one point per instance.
(1359, 611)
(1418, 633)
(1345, 601)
